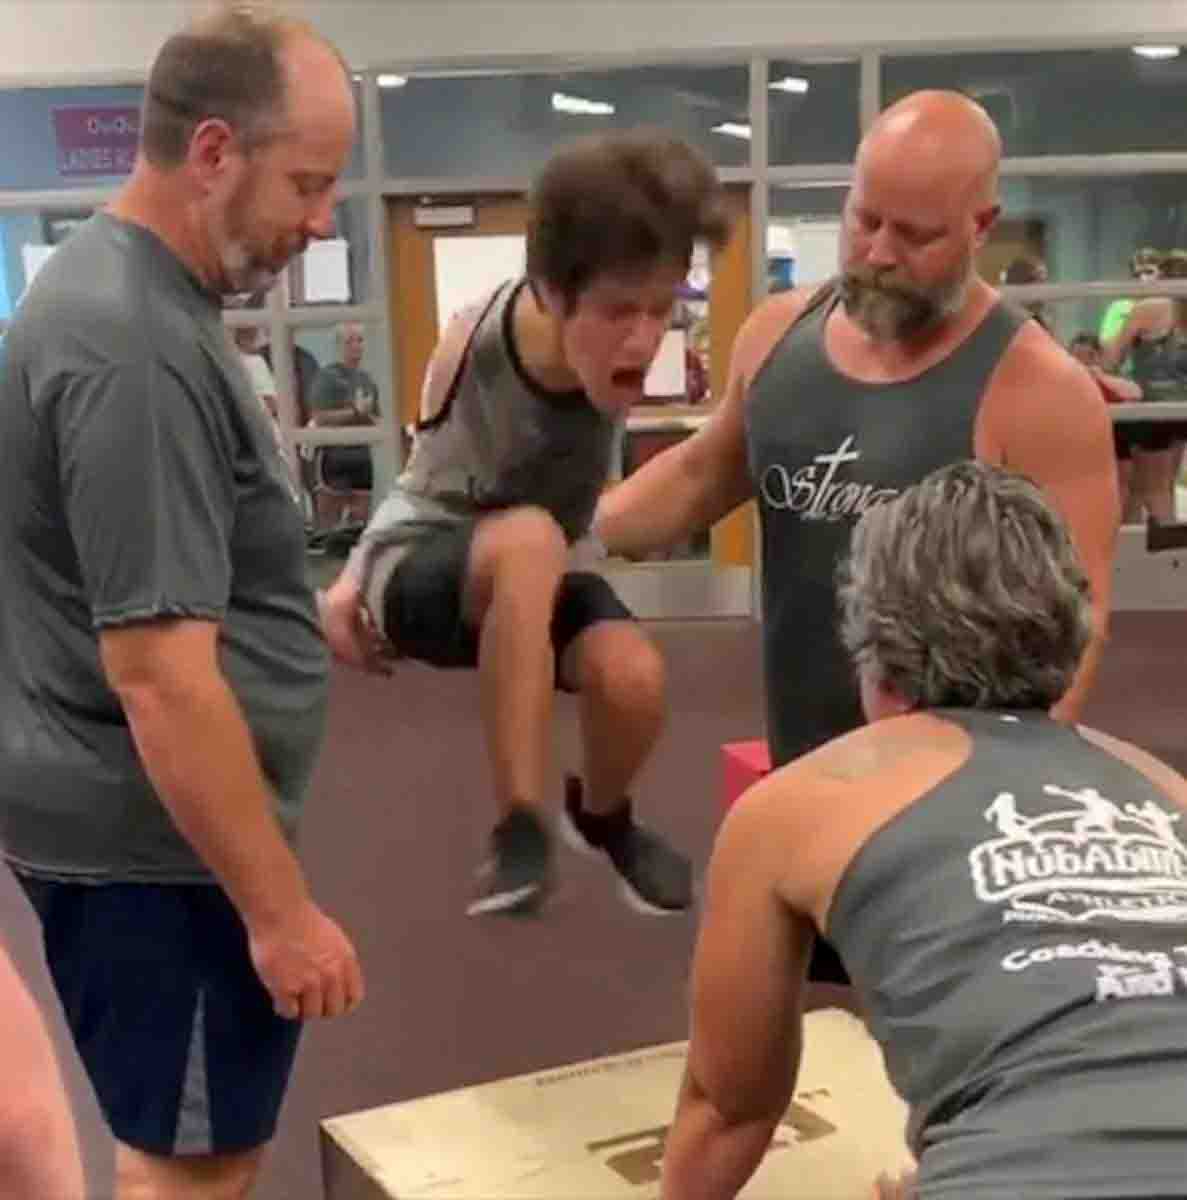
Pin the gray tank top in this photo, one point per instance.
(1019, 938)
(498, 441)
(823, 448)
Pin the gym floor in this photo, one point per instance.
(397, 822)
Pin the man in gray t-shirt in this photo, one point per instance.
(163, 677)
(344, 394)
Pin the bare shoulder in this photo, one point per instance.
(764, 327)
(802, 824)
(1161, 774)
(891, 759)
(1036, 353)
(1039, 384)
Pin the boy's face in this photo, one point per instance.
(614, 331)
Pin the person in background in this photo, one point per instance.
(344, 394)
(1022, 272)
(1145, 266)
(1153, 341)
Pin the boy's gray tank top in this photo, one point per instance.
(1018, 936)
(822, 449)
(500, 441)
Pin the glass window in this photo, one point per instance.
(337, 271)
(67, 137)
(27, 238)
(803, 235)
(1060, 102)
(814, 112)
(477, 124)
(338, 379)
(1080, 229)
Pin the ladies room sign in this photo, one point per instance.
(94, 142)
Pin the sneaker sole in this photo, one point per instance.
(572, 838)
(518, 900)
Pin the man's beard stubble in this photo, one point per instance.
(246, 272)
(898, 312)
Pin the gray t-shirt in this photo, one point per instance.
(141, 482)
(340, 386)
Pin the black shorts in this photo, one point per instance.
(825, 965)
(179, 1038)
(422, 603)
(1150, 438)
(347, 468)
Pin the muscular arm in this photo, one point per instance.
(197, 749)
(747, 989)
(695, 483)
(1050, 422)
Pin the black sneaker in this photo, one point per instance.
(518, 875)
(654, 878)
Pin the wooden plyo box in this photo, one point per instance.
(595, 1131)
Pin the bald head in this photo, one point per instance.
(940, 140)
(923, 202)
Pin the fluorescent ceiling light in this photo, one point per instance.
(576, 106)
(1157, 52)
(733, 129)
(392, 81)
(797, 85)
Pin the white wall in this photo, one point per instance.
(79, 39)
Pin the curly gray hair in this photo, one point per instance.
(966, 591)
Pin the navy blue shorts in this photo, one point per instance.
(177, 1034)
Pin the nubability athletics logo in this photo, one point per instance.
(1084, 862)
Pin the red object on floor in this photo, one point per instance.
(743, 763)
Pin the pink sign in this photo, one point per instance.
(96, 141)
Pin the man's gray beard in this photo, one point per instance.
(250, 283)
(244, 277)
(889, 314)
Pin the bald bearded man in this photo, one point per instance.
(839, 399)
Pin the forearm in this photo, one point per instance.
(707, 1156)
(658, 506)
(198, 751)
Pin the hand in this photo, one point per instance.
(350, 631)
(904, 1187)
(307, 964)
